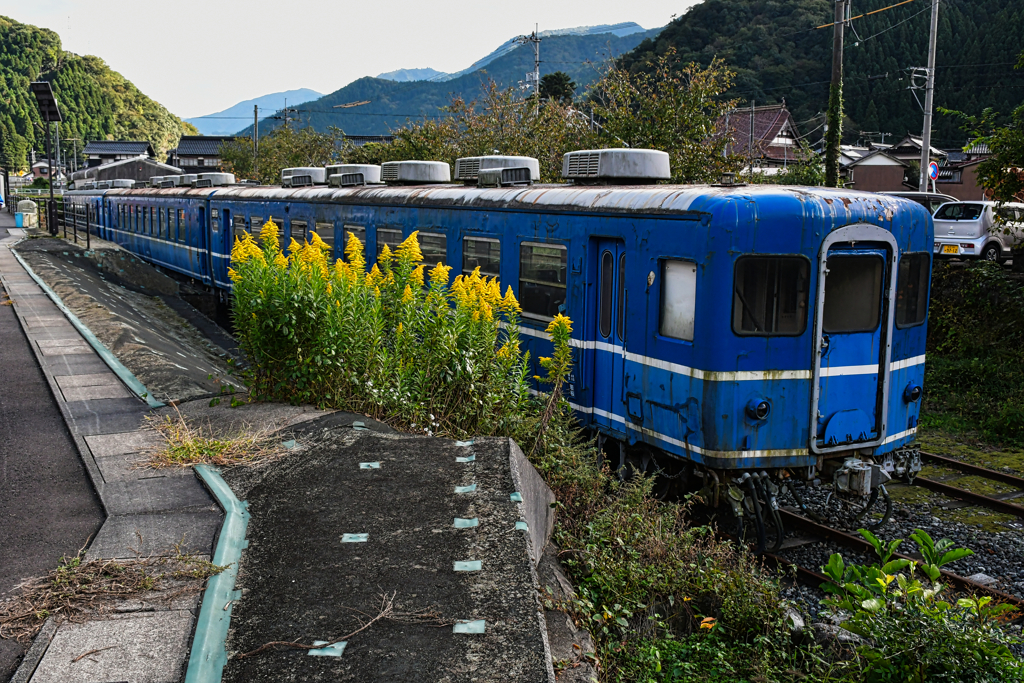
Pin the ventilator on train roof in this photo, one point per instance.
(616, 166)
(415, 172)
(348, 175)
(303, 176)
(487, 170)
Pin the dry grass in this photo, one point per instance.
(77, 588)
(190, 444)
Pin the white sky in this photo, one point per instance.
(201, 56)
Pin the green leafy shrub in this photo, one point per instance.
(911, 634)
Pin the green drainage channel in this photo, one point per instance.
(209, 655)
(109, 358)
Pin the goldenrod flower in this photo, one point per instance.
(374, 276)
(354, 252)
(233, 274)
(294, 246)
(409, 250)
(407, 296)
(385, 258)
(417, 275)
(280, 261)
(268, 235)
(439, 275)
(509, 305)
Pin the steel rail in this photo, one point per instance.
(792, 520)
(968, 468)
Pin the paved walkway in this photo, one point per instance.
(147, 511)
(48, 507)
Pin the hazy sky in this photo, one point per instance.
(198, 57)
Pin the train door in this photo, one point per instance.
(609, 331)
(853, 338)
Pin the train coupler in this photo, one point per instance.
(903, 462)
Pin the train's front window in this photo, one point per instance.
(853, 294)
(770, 295)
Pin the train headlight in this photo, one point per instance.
(758, 409)
(911, 393)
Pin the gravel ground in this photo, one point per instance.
(998, 547)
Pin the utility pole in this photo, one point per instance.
(533, 78)
(834, 120)
(926, 136)
(255, 141)
(750, 142)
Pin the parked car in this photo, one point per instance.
(984, 230)
(929, 200)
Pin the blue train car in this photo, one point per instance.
(758, 335)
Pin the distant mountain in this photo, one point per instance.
(406, 75)
(578, 52)
(619, 30)
(231, 119)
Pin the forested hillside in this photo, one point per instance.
(392, 103)
(96, 102)
(778, 54)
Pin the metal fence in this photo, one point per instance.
(76, 217)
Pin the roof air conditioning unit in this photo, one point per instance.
(103, 185)
(616, 166)
(248, 182)
(368, 174)
(468, 169)
(154, 181)
(505, 177)
(216, 179)
(415, 172)
(202, 182)
(122, 182)
(302, 176)
(88, 186)
(187, 179)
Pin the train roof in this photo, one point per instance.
(640, 199)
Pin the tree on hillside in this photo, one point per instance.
(557, 86)
(1003, 172)
(672, 107)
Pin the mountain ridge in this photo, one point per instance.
(227, 121)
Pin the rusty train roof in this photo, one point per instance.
(645, 199)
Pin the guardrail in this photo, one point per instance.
(77, 216)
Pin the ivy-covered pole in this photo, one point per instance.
(834, 119)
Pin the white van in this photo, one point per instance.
(985, 230)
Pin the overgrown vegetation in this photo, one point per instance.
(910, 632)
(79, 586)
(974, 378)
(191, 444)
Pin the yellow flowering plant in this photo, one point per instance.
(402, 342)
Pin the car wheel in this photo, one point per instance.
(992, 252)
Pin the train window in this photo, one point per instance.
(434, 248)
(912, 290)
(156, 218)
(622, 297)
(607, 285)
(483, 253)
(542, 279)
(171, 232)
(770, 295)
(392, 238)
(325, 231)
(255, 225)
(853, 294)
(144, 229)
(182, 226)
(298, 233)
(238, 228)
(678, 299)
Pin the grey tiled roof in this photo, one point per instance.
(119, 147)
(201, 145)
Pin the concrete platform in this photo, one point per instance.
(302, 579)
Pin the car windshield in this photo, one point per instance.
(959, 212)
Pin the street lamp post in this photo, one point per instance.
(49, 112)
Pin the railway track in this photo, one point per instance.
(814, 579)
(1000, 504)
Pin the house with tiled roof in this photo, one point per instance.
(765, 135)
(99, 152)
(198, 153)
